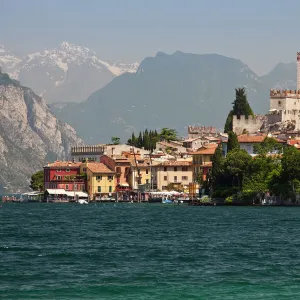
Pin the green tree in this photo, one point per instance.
(233, 143)
(241, 107)
(217, 167)
(140, 140)
(115, 140)
(257, 178)
(236, 164)
(291, 167)
(268, 145)
(167, 134)
(37, 181)
(146, 140)
(132, 140)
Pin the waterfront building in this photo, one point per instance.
(172, 175)
(64, 175)
(141, 174)
(122, 168)
(100, 179)
(202, 161)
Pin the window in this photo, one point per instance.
(110, 188)
(175, 178)
(175, 169)
(165, 169)
(279, 103)
(110, 177)
(184, 178)
(147, 181)
(58, 170)
(184, 169)
(165, 178)
(147, 171)
(98, 177)
(164, 187)
(67, 186)
(99, 189)
(68, 170)
(84, 169)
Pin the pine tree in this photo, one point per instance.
(233, 143)
(241, 107)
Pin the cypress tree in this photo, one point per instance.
(233, 143)
(140, 141)
(241, 107)
(217, 166)
(146, 141)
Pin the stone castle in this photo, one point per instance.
(284, 113)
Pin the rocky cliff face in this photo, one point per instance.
(30, 135)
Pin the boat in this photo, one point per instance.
(166, 201)
(82, 201)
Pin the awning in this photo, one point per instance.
(124, 184)
(79, 194)
(56, 191)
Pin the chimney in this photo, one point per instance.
(298, 71)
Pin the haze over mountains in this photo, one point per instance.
(174, 91)
(69, 73)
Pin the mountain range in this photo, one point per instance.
(173, 91)
(69, 73)
(30, 135)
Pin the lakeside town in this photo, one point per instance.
(207, 166)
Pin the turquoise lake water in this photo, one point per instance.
(148, 251)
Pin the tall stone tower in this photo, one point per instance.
(298, 71)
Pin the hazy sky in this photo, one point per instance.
(259, 32)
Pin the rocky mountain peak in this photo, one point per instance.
(30, 134)
(56, 73)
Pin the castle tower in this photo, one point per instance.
(298, 71)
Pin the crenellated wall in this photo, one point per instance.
(252, 124)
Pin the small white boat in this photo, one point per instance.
(82, 201)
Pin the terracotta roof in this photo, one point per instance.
(293, 142)
(97, 167)
(64, 164)
(244, 138)
(207, 149)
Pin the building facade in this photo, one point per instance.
(202, 161)
(122, 168)
(172, 175)
(100, 179)
(64, 175)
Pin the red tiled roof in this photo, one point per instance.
(244, 138)
(64, 164)
(97, 167)
(208, 149)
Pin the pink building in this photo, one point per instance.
(64, 175)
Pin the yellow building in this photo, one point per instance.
(100, 179)
(140, 173)
(175, 175)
